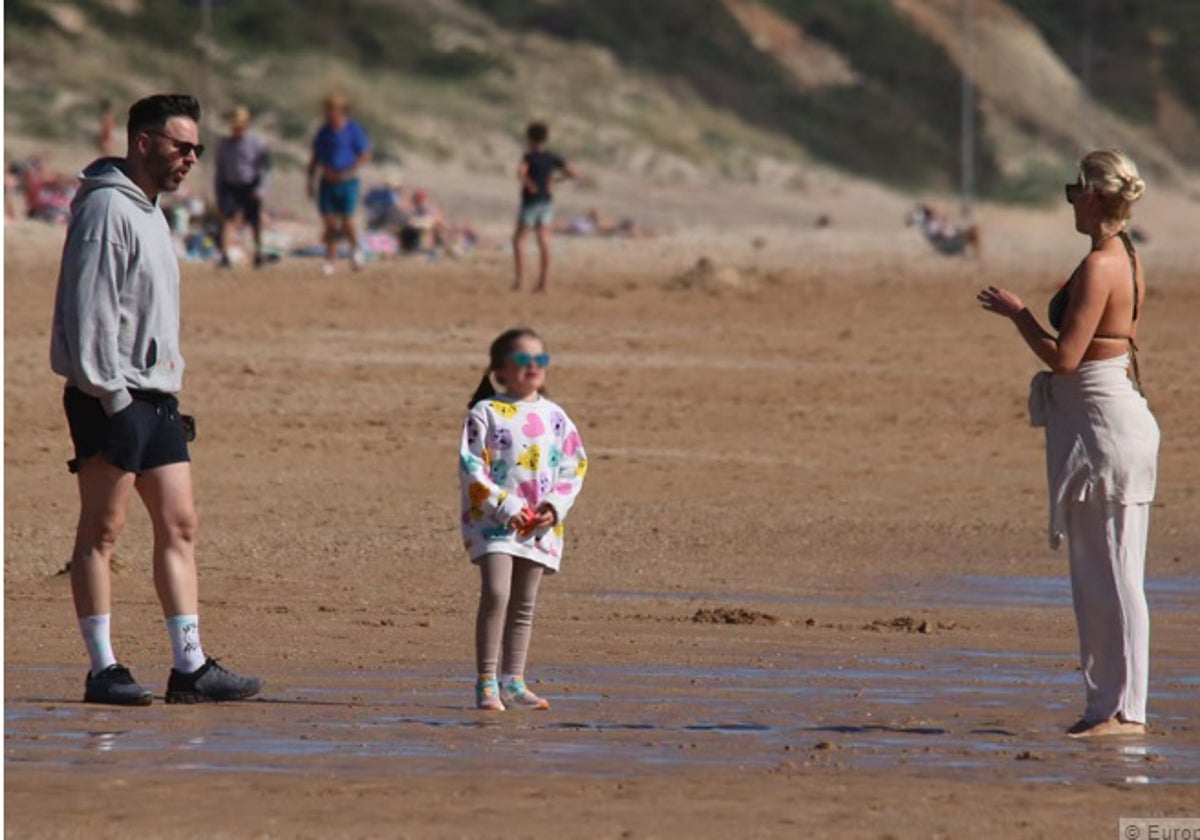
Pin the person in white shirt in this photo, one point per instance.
(521, 467)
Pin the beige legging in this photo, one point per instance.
(507, 595)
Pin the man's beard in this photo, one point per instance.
(171, 180)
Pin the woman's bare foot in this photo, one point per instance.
(1105, 728)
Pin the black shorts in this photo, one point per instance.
(239, 198)
(148, 433)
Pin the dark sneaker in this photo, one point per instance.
(115, 686)
(210, 684)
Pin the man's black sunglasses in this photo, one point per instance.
(182, 146)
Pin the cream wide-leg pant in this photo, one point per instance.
(1107, 544)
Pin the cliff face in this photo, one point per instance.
(675, 90)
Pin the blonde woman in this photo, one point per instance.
(1101, 441)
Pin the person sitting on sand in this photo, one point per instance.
(386, 206)
(1101, 442)
(428, 230)
(47, 194)
(943, 234)
(425, 227)
(593, 223)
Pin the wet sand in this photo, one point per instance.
(830, 453)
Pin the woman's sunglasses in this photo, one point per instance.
(527, 359)
(182, 146)
(1073, 192)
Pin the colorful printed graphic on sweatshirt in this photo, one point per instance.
(515, 455)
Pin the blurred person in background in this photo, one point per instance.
(536, 173)
(105, 136)
(425, 227)
(241, 180)
(340, 147)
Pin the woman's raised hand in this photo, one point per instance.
(1000, 300)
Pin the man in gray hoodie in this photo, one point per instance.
(115, 339)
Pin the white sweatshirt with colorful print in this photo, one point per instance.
(516, 454)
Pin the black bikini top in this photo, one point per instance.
(1058, 304)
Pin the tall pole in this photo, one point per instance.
(967, 132)
(1085, 76)
(205, 49)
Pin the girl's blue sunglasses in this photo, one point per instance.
(527, 359)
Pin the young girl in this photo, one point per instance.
(521, 465)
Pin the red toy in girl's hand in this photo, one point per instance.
(526, 521)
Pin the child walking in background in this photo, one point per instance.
(536, 173)
(521, 466)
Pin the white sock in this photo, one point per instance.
(184, 631)
(96, 635)
(507, 679)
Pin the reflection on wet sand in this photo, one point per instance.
(950, 713)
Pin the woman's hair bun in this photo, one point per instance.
(1111, 174)
(1132, 188)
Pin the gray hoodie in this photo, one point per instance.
(116, 311)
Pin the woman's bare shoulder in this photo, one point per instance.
(1104, 267)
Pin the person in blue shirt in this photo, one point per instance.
(339, 148)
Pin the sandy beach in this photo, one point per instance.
(808, 591)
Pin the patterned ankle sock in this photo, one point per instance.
(186, 652)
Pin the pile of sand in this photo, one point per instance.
(709, 276)
(729, 615)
